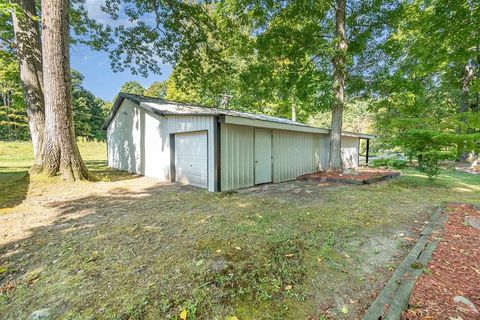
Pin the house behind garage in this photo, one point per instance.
(216, 149)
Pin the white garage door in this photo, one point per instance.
(191, 158)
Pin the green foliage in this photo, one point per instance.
(389, 163)
(356, 117)
(426, 92)
(429, 162)
(90, 112)
(13, 117)
(157, 89)
(265, 57)
(132, 87)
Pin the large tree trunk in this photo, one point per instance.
(339, 62)
(29, 53)
(468, 76)
(60, 151)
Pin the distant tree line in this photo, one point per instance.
(89, 111)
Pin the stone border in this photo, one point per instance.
(383, 177)
(393, 299)
(376, 179)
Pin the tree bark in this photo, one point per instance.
(29, 53)
(468, 76)
(339, 62)
(60, 150)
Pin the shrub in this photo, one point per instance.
(389, 163)
(429, 163)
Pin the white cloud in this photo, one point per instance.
(94, 9)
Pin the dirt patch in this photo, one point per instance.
(450, 287)
(358, 176)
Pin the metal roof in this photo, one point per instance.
(165, 107)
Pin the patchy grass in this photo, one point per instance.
(139, 249)
(16, 160)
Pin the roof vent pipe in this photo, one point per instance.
(223, 101)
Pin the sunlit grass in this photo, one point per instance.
(16, 159)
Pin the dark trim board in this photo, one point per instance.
(217, 151)
(173, 173)
(367, 151)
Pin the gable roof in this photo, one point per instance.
(163, 107)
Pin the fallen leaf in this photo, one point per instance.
(345, 309)
(289, 255)
(199, 263)
(238, 248)
(353, 301)
(288, 287)
(409, 239)
(218, 251)
(231, 318)
(183, 315)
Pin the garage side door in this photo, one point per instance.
(191, 158)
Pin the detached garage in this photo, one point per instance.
(216, 149)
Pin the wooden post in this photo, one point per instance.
(367, 151)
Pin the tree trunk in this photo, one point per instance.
(468, 76)
(29, 53)
(294, 112)
(339, 62)
(60, 150)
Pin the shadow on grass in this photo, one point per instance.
(100, 169)
(14, 181)
(14, 184)
(117, 243)
(136, 255)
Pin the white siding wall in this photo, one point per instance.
(123, 139)
(237, 162)
(324, 151)
(350, 147)
(294, 154)
(139, 142)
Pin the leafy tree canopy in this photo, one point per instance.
(132, 87)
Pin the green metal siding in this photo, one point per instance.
(294, 154)
(237, 163)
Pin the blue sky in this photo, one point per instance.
(99, 77)
(95, 66)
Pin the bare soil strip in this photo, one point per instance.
(393, 299)
(360, 176)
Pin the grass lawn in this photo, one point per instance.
(130, 247)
